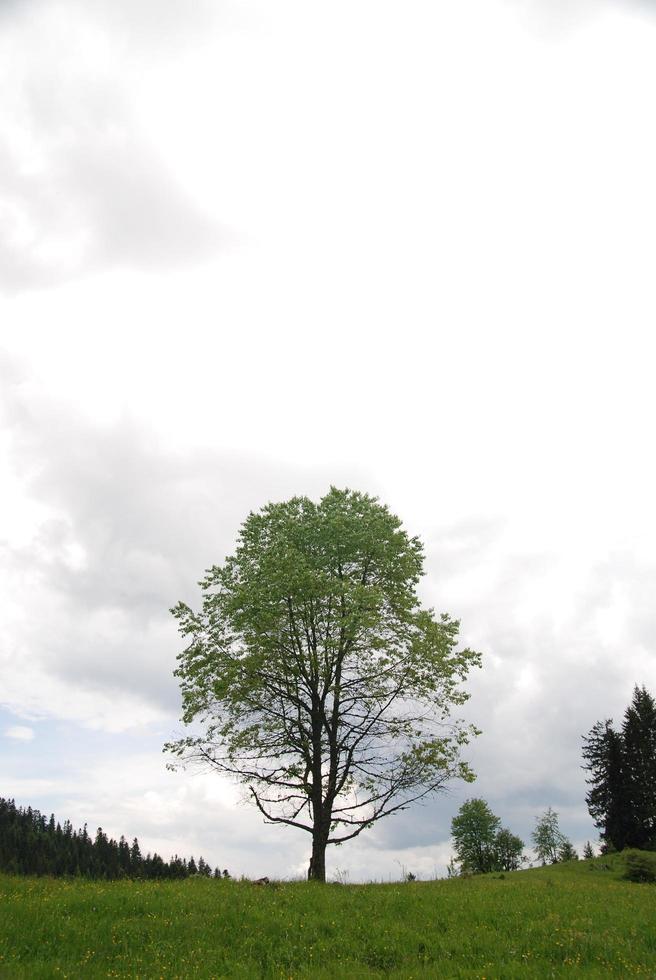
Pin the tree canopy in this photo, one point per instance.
(313, 675)
(30, 844)
(474, 832)
(481, 843)
(622, 767)
(551, 845)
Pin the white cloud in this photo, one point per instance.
(122, 529)
(22, 733)
(437, 287)
(556, 18)
(81, 187)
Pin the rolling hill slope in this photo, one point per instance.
(578, 919)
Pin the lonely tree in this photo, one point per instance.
(313, 675)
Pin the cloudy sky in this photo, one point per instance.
(250, 249)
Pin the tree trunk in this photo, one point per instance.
(317, 869)
(320, 825)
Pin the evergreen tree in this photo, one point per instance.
(639, 736)
(135, 858)
(32, 844)
(124, 856)
(608, 797)
(588, 851)
(622, 767)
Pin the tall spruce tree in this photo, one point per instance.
(639, 736)
(608, 797)
(622, 767)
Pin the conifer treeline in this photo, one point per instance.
(32, 844)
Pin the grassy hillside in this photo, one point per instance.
(578, 919)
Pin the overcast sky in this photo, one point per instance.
(250, 249)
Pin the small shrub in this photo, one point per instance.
(639, 866)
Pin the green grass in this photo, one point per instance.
(578, 919)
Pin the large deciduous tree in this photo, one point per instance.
(474, 831)
(481, 843)
(313, 675)
(509, 848)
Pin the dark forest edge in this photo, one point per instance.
(32, 844)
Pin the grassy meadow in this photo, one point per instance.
(576, 919)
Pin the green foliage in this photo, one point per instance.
(452, 870)
(639, 738)
(588, 851)
(314, 676)
(508, 850)
(30, 844)
(640, 865)
(480, 843)
(566, 851)
(547, 838)
(474, 832)
(547, 922)
(622, 767)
